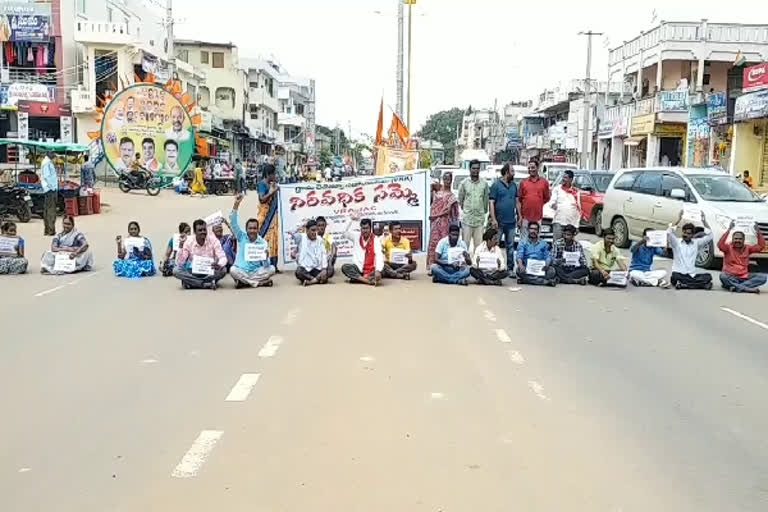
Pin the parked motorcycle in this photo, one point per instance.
(139, 181)
(15, 201)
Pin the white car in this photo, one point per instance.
(653, 198)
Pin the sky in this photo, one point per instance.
(464, 52)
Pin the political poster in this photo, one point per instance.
(392, 160)
(147, 120)
(402, 196)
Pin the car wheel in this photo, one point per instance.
(597, 220)
(706, 256)
(621, 230)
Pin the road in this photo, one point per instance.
(125, 395)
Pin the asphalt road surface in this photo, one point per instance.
(122, 395)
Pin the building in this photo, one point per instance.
(296, 121)
(263, 106)
(512, 119)
(480, 129)
(750, 129)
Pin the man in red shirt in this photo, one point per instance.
(735, 276)
(534, 194)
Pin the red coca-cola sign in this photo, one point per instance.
(756, 77)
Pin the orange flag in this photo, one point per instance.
(380, 124)
(398, 127)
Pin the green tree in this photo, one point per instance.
(425, 159)
(441, 127)
(325, 158)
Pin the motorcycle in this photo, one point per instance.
(15, 201)
(139, 181)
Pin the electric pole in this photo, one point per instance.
(400, 35)
(410, 56)
(169, 35)
(587, 141)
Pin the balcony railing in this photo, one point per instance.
(46, 76)
(103, 32)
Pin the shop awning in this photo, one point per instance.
(59, 147)
(633, 141)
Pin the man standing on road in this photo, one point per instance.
(50, 182)
(452, 259)
(566, 202)
(685, 251)
(538, 250)
(367, 256)
(239, 177)
(606, 258)
(201, 262)
(569, 259)
(473, 200)
(398, 262)
(735, 276)
(503, 206)
(534, 194)
(640, 272)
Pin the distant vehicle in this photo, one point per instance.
(642, 198)
(592, 186)
(553, 170)
(475, 154)
(438, 170)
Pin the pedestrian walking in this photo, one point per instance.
(50, 182)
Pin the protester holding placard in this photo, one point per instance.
(736, 276)
(331, 248)
(489, 265)
(534, 261)
(134, 254)
(312, 261)
(169, 263)
(607, 265)
(69, 251)
(12, 260)
(398, 257)
(367, 256)
(452, 259)
(640, 272)
(200, 262)
(268, 216)
(568, 258)
(252, 266)
(685, 251)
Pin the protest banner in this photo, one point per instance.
(403, 197)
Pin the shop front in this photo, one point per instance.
(670, 141)
(721, 133)
(750, 144)
(48, 122)
(639, 143)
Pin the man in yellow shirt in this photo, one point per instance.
(747, 179)
(330, 246)
(398, 258)
(605, 259)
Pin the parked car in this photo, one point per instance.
(552, 171)
(592, 186)
(654, 197)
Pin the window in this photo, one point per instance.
(110, 13)
(205, 97)
(204, 57)
(225, 97)
(582, 180)
(183, 55)
(253, 85)
(648, 183)
(81, 6)
(625, 181)
(218, 59)
(670, 181)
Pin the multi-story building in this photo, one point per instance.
(482, 130)
(295, 120)
(263, 106)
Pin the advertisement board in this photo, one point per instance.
(10, 95)
(755, 77)
(697, 150)
(147, 119)
(22, 21)
(717, 108)
(673, 101)
(751, 106)
(643, 125)
(403, 197)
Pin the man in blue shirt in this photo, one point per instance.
(533, 260)
(50, 182)
(452, 260)
(504, 207)
(640, 272)
(252, 266)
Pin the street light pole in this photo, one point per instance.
(400, 35)
(587, 141)
(410, 56)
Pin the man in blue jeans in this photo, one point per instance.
(452, 260)
(504, 203)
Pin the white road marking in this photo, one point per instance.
(503, 337)
(148, 361)
(25, 470)
(514, 289)
(480, 301)
(290, 317)
(436, 396)
(516, 357)
(270, 347)
(243, 387)
(46, 292)
(537, 389)
(489, 315)
(367, 359)
(194, 353)
(70, 283)
(195, 457)
(745, 317)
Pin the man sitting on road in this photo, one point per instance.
(398, 257)
(252, 267)
(533, 260)
(489, 265)
(735, 276)
(605, 259)
(452, 260)
(312, 262)
(330, 246)
(685, 251)
(367, 256)
(640, 272)
(200, 262)
(569, 259)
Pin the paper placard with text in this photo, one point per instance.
(399, 256)
(535, 267)
(657, 238)
(488, 262)
(132, 242)
(255, 252)
(214, 218)
(8, 245)
(63, 263)
(572, 258)
(618, 278)
(202, 265)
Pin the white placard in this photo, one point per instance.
(535, 267)
(8, 245)
(202, 265)
(488, 262)
(176, 241)
(745, 224)
(617, 277)
(214, 218)
(691, 214)
(455, 255)
(399, 256)
(572, 258)
(63, 263)
(133, 242)
(255, 252)
(657, 238)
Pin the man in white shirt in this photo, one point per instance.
(312, 264)
(367, 256)
(566, 202)
(684, 275)
(488, 263)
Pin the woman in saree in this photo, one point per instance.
(443, 212)
(70, 242)
(12, 260)
(134, 254)
(268, 219)
(198, 183)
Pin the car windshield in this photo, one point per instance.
(602, 181)
(713, 187)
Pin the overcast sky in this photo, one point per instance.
(464, 52)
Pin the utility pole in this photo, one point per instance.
(587, 141)
(410, 56)
(169, 34)
(400, 35)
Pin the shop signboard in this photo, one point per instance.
(751, 106)
(11, 95)
(643, 125)
(25, 21)
(621, 126)
(41, 109)
(755, 77)
(717, 108)
(697, 150)
(673, 101)
(23, 128)
(65, 126)
(605, 129)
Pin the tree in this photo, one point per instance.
(425, 159)
(441, 127)
(325, 158)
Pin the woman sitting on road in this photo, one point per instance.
(12, 260)
(134, 254)
(169, 263)
(71, 243)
